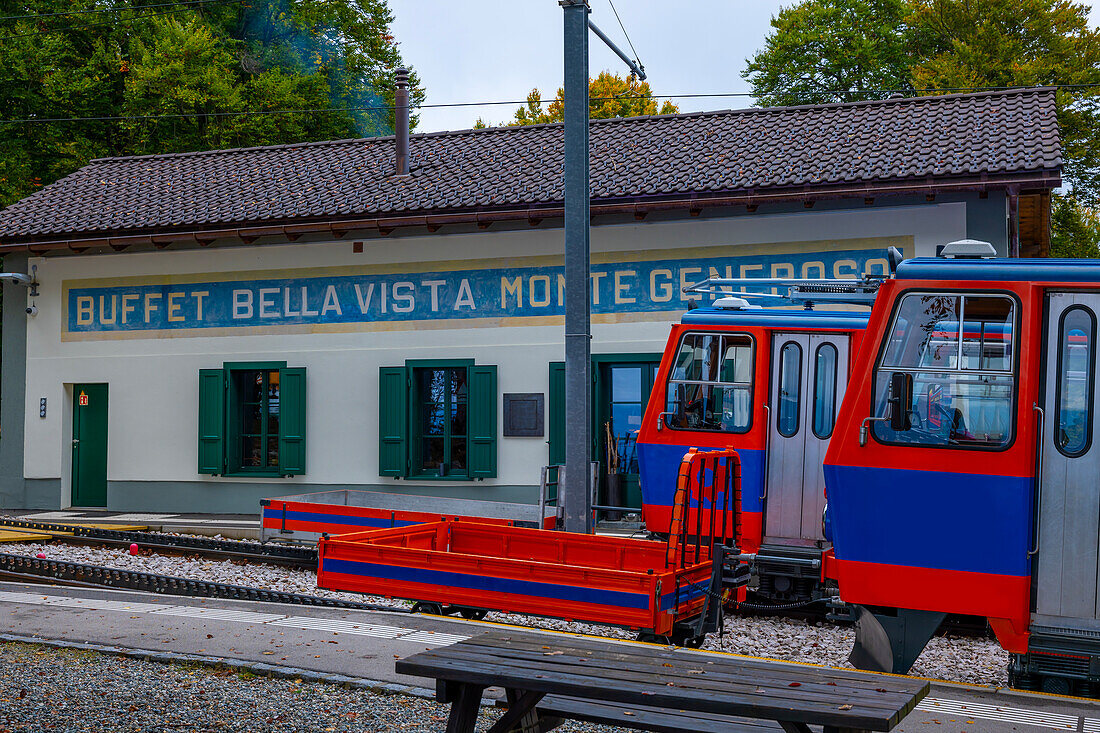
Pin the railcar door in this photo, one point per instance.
(809, 374)
(1068, 571)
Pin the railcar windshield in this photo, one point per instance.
(959, 350)
(710, 385)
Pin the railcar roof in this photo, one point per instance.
(776, 318)
(1000, 269)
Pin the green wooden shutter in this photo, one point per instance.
(292, 421)
(482, 411)
(211, 421)
(556, 411)
(393, 421)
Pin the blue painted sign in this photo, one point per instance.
(493, 292)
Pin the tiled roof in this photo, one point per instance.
(872, 143)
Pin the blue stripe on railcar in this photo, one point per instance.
(931, 519)
(344, 519)
(687, 593)
(528, 588)
(660, 466)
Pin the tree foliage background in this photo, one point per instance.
(848, 50)
(609, 95)
(176, 78)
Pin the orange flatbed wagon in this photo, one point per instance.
(657, 587)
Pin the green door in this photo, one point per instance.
(90, 445)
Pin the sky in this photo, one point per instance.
(500, 49)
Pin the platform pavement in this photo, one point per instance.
(234, 526)
(361, 646)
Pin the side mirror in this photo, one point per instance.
(901, 401)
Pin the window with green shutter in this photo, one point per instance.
(252, 420)
(438, 420)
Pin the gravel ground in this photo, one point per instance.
(959, 659)
(57, 689)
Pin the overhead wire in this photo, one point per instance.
(637, 60)
(442, 105)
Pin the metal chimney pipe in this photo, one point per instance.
(401, 120)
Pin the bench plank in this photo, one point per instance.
(702, 677)
(642, 717)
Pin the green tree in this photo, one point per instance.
(609, 95)
(182, 77)
(837, 50)
(823, 51)
(1075, 228)
(979, 43)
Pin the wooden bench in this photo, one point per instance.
(644, 687)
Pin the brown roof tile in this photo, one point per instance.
(992, 133)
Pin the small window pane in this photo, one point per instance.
(251, 419)
(458, 419)
(952, 409)
(790, 388)
(458, 456)
(432, 419)
(432, 454)
(625, 418)
(926, 333)
(626, 384)
(273, 452)
(987, 334)
(825, 390)
(251, 451)
(1076, 363)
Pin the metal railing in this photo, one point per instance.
(707, 507)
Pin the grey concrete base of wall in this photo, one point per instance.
(239, 497)
(42, 493)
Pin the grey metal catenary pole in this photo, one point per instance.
(578, 328)
(574, 488)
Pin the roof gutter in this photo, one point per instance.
(639, 207)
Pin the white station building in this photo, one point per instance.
(208, 329)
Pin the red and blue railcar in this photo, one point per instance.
(963, 476)
(767, 382)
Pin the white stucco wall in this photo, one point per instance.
(153, 379)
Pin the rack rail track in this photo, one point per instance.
(35, 569)
(296, 556)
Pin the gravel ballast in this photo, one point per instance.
(59, 689)
(959, 659)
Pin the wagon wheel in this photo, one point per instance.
(650, 638)
(473, 614)
(433, 609)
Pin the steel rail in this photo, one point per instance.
(97, 576)
(231, 549)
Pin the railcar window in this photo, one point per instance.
(824, 390)
(790, 388)
(710, 387)
(1076, 362)
(960, 352)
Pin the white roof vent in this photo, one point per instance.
(968, 249)
(732, 303)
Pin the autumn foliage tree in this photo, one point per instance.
(609, 95)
